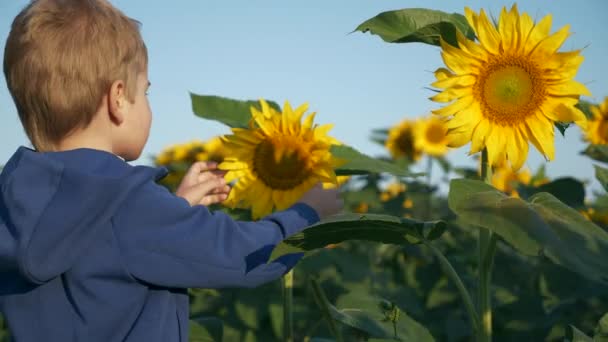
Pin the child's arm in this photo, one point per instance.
(167, 242)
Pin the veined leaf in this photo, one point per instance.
(601, 174)
(369, 227)
(359, 163)
(544, 226)
(597, 152)
(230, 112)
(417, 25)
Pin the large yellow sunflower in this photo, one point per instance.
(597, 127)
(277, 159)
(431, 136)
(401, 141)
(510, 88)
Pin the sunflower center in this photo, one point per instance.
(284, 173)
(510, 89)
(435, 133)
(405, 142)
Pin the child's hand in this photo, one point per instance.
(203, 184)
(324, 202)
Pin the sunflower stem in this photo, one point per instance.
(487, 249)
(429, 198)
(288, 307)
(464, 293)
(324, 306)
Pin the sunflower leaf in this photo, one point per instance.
(230, 112)
(585, 107)
(369, 227)
(575, 335)
(562, 127)
(359, 163)
(597, 152)
(544, 226)
(602, 176)
(417, 25)
(569, 190)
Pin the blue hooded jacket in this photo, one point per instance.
(92, 249)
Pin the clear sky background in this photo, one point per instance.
(304, 52)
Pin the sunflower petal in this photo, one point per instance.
(549, 45)
(487, 34)
(568, 88)
(538, 33)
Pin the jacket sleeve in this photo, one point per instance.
(166, 242)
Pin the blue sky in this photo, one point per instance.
(304, 52)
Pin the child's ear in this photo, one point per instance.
(117, 102)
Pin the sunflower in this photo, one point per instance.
(392, 190)
(277, 159)
(431, 136)
(401, 142)
(505, 179)
(510, 88)
(211, 150)
(597, 127)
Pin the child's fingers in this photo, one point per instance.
(192, 175)
(213, 199)
(201, 166)
(207, 175)
(196, 193)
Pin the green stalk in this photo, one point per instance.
(487, 249)
(324, 306)
(464, 293)
(429, 198)
(288, 307)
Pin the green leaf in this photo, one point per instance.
(602, 176)
(601, 330)
(206, 329)
(545, 226)
(408, 329)
(585, 107)
(368, 227)
(360, 320)
(567, 189)
(359, 163)
(562, 127)
(417, 25)
(575, 335)
(597, 152)
(233, 113)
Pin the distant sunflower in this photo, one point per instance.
(507, 180)
(431, 136)
(211, 150)
(277, 159)
(597, 127)
(510, 88)
(401, 141)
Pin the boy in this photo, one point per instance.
(91, 249)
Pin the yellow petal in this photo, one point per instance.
(538, 33)
(455, 107)
(458, 138)
(487, 34)
(552, 43)
(479, 136)
(507, 30)
(541, 133)
(459, 80)
(443, 73)
(568, 88)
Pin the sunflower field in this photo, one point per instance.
(504, 254)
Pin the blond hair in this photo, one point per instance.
(61, 58)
